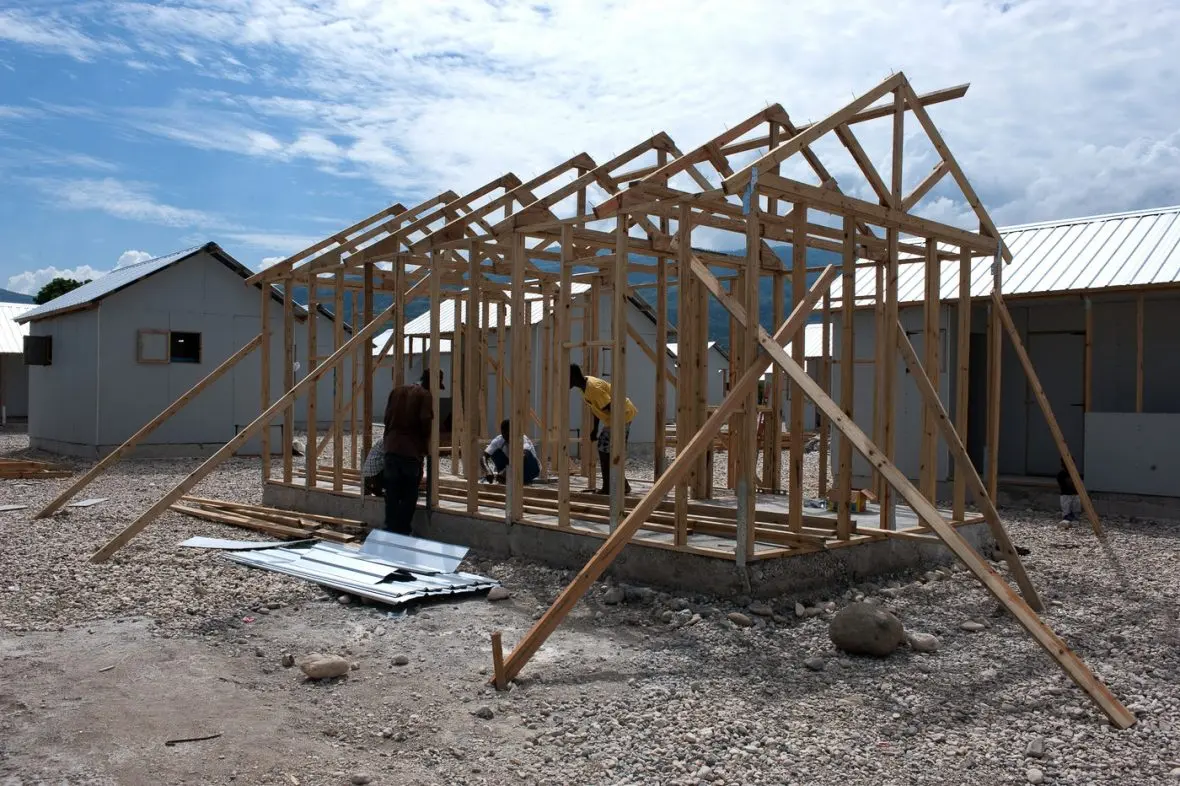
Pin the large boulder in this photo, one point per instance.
(324, 667)
(866, 629)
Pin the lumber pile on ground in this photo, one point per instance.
(272, 521)
(24, 469)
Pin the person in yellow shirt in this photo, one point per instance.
(596, 393)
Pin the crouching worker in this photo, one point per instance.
(373, 471)
(1071, 503)
(496, 461)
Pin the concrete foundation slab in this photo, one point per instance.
(644, 564)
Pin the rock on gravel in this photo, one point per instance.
(1035, 749)
(401, 660)
(814, 663)
(739, 619)
(972, 627)
(288, 660)
(499, 593)
(323, 667)
(614, 596)
(360, 778)
(485, 713)
(923, 642)
(865, 629)
(1033, 775)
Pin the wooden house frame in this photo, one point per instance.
(485, 249)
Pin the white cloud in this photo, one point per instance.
(31, 281)
(268, 261)
(51, 33)
(131, 257)
(127, 200)
(275, 241)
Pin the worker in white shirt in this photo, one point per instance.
(496, 461)
(374, 471)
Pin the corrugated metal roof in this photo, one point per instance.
(813, 341)
(672, 346)
(12, 333)
(413, 344)
(123, 277)
(1140, 248)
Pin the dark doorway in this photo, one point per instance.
(1057, 359)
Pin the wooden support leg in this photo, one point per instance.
(1047, 411)
(966, 470)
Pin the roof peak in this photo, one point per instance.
(1057, 222)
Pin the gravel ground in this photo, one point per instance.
(100, 663)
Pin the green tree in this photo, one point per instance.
(56, 288)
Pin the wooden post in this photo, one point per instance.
(1047, 411)
(434, 362)
(736, 349)
(1088, 361)
(963, 380)
(472, 377)
(311, 454)
(685, 356)
(227, 450)
(661, 349)
(520, 388)
(265, 336)
(844, 523)
(367, 370)
(546, 379)
(778, 393)
(687, 455)
(825, 381)
(618, 403)
(1139, 353)
(353, 409)
(590, 354)
(798, 352)
(338, 395)
(502, 408)
(565, 296)
(498, 678)
(152, 425)
(288, 372)
(746, 445)
(995, 367)
(459, 458)
(399, 324)
(887, 499)
(700, 351)
(965, 470)
(931, 308)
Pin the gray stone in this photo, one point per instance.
(814, 663)
(401, 660)
(972, 627)
(288, 660)
(485, 713)
(800, 610)
(761, 609)
(633, 594)
(676, 604)
(360, 778)
(499, 593)
(1033, 775)
(322, 667)
(923, 642)
(344, 600)
(614, 596)
(1036, 748)
(864, 629)
(739, 619)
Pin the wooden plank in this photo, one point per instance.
(825, 371)
(354, 440)
(995, 367)
(399, 324)
(992, 581)
(474, 373)
(798, 351)
(965, 470)
(131, 530)
(618, 539)
(931, 335)
(685, 357)
(265, 336)
(881, 356)
(1138, 353)
(288, 372)
(963, 378)
(747, 447)
(338, 457)
(564, 316)
(434, 363)
(618, 404)
(368, 369)
(311, 454)
(520, 387)
(1042, 400)
(149, 427)
(661, 359)
(844, 522)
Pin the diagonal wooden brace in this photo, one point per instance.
(685, 458)
(1073, 666)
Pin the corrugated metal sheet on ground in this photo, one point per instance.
(395, 570)
(1140, 248)
(12, 333)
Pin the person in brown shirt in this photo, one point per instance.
(408, 415)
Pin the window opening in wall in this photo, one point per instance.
(184, 347)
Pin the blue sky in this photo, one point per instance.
(130, 129)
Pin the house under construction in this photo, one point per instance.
(509, 243)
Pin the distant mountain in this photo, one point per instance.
(8, 296)
(718, 316)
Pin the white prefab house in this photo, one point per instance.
(109, 356)
(14, 375)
